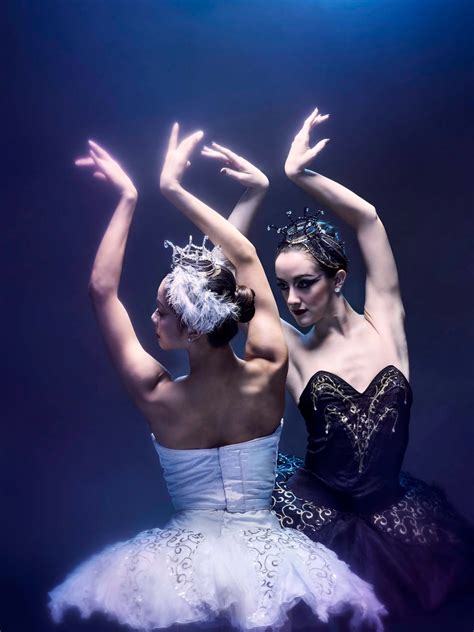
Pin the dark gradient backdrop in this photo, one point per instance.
(78, 468)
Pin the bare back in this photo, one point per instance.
(227, 403)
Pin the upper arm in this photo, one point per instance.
(265, 338)
(139, 370)
(382, 291)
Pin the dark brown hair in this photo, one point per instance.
(223, 283)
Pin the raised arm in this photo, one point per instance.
(140, 371)
(265, 337)
(382, 287)
(244, 172)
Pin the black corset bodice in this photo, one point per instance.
(357, 441)
(395, 531)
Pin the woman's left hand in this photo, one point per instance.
(237, 167)
(301, 153)
(177, 158)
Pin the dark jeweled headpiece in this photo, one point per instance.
(319, 238)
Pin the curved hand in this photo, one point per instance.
(108, 169)
(237, 167)
(301, 153)
(177, 158)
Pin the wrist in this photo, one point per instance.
(258, 191)
(292, 172)
(170, 187)
(263, 186)
(129, 195)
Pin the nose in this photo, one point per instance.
(292, 298)
(154, 318)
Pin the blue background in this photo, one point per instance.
(78, 470)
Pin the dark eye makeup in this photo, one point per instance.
(306, 283)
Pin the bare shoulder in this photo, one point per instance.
(162, 398)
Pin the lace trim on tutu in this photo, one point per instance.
(292, 511)
(418, 517)
(253, 577)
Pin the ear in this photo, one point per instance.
(192, 336)
(339, 279)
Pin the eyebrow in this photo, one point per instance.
(160, 304)
(301, 276)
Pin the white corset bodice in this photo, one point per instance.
(235, 478)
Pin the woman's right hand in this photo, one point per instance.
(108, 169)
(301, 153)
(177, 159)
(237, 167)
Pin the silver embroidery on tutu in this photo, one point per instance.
(210, 562)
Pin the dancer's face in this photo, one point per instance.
(170, 334)
(306, 289)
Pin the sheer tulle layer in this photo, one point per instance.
(415, 551)
(205, 565)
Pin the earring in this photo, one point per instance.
(190, 339)
(337, 290)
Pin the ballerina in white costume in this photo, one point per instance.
(223, 554)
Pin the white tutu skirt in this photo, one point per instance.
(207, 564)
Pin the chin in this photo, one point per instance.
(305, 320)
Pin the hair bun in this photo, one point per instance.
(245, 301)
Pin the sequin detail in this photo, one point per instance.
(417, 517)
(292, 511)
(180, 546)
(361, 422)
(267, 546)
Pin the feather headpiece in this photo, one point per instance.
(200, 309)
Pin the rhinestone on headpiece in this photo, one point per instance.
(310, 232)
(200, 309)
(196, 256)
(301, 228)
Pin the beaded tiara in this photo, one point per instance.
(199, 257)
(200, 309)
(309, 231)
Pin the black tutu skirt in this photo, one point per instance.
(415, 549)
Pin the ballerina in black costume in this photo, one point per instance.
(349, 376)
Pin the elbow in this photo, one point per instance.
(247, 253)
(369, 216)
(372, 213)
(99, 290)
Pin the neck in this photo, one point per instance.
(206, 359)
(340, 319)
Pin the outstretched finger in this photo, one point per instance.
(99, 151)
(99, 175)
(84, 162)
(232, 173)
(309, 120)
(227, 152)
(173, 140)
(320, 118)
(215, 155)
(319, 147)
(190, 142)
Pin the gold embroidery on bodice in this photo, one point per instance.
(363, 420)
